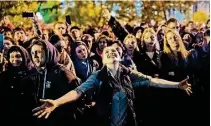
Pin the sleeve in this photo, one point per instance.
(144, 80)
(118, 30)
(91, 84)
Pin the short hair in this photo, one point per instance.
(19, 29)
(174, 20)
(189, 22)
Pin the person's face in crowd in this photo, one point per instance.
(110, 55)
(118, 48)
(187, 39)
(161, 36)
(66, 42)
(60, 29)
(190, 26)
(75, 33)
(38, 55)
(102, 44)
(81, 52)
(15, 59)
(172, 41)
(138, 34)
(130, 44)
(45, 35)
(172, 25)
(88, 41)
(7, 45)
(8, 34)
(29, 33)
(149, 40)
(19, 36)
(6, 20)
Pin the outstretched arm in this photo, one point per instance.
(144, 80)
(49, 105)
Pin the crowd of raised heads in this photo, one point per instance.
(45, 63)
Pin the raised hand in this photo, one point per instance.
(45, 109)
(184, 85)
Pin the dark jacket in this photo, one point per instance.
(18, 91)
(149, 66)
(181, 68)
(55, 81)
(105, 94)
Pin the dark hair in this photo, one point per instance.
(189, 22)
(174, 20)
(54, 39)
(69, 37)
(19, 29)
(85, 36)
(118, 42)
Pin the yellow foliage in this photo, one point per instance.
(200, 16)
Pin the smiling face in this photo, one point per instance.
(81, 52)
(15, 58)
(172, 41)
(110, 55)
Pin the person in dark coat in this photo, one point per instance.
(18, 89)
(150, 65)
(114, 91)
(178, 63)
(54, 81)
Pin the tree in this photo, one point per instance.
(158, 9)
(14, 9)
(200, 16)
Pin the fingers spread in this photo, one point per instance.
(38, 113)
(47, 115)
(38, 108)
(42, 114)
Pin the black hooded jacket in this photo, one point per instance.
(53, 82)
(17, 91)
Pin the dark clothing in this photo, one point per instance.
(119, 31)
(18, 89)
(53, 82)
(147, 99)
(178, 99)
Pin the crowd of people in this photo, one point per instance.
(116, 75)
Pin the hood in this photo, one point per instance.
(27, 64)
(52, 55)
(74, 46)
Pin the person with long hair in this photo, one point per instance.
(177, 63)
